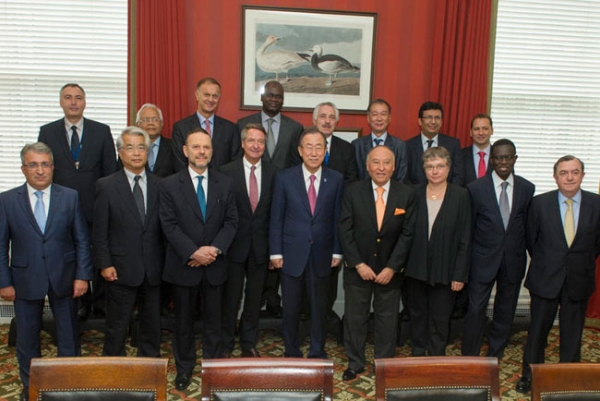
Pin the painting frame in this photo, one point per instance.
(348, 134)
(308, 41)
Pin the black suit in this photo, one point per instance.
(498, 256)
(469, 167)
(287, 141)
(433, 264)
(225, 140)
(136, 250)
(414, 149)
(559, 274)
(362, 242)
(97, 159)
(248, 255)
(363, 145)
(186, 231)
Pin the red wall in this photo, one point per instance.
(403, 55)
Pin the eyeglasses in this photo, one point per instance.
(34, 166)
(131, 148)
(310, 149)
(150, 120)
(432, 118)
(431, 167)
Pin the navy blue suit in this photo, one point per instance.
(43, 264)
(307, 244)
(498, 256)
(414, 149)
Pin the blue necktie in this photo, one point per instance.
(327, 153)
(378, 142)
(152, 157)
(39, 211)
(201, 197)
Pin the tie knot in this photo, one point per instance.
(481, 154)
(270, 121)
(74, 129)
(380, 191)
(429, 143)
(569, 203)
(200, 177)
(252, 168)
(504, 185)
(39, 194)
(312, 178)
(378, 141)
(137, 178)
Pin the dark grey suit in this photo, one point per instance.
(363, 145)
(287, 142)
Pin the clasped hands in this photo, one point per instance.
(203, 256)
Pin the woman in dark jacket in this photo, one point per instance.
(438, 265)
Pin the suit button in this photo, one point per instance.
(375, 254)
(378, 239)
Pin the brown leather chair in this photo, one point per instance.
(98, 379)
(437, 378)
(565, 381)
(267, 379)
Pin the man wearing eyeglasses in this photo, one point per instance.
(44, 251)
(161, 160)
(431, 115)
(84, 151)
(129, 249)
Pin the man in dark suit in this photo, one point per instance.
(379, 118)
(129, 246)
(563, 239)
(376, 228)
(430, 121)
(476, 158)
(44, 234)
(284, 148)
(498, 251)
(225, 134)
(199, 219)
(303, 239)
(161, 160)
(248, 256)
(283, 134)
(83, 151)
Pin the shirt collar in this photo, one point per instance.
(498, 181)
(31, 190)
(424, 139)
(383, 136)
(476, 150)
(307, 174)
(265, 118)
(194, 174)
(131, 176)
(385, 186)
(249, 165)
(576, 198)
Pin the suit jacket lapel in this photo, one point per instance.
(492, 199)
(63, 144)
(301, 188)
(152, 193)
(239, 175)
(368, 203)
(390, 206)
(123, 188)
(56, 195)
(26, 205)
(213, 194)
(187, 189)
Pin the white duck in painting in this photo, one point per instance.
(278, 61)
(331, 64)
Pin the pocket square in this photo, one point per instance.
(399, 211)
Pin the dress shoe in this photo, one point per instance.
(182, 381)
(524, 385)
(250, 353)
(25, 394)
(350, 374)
(276, 311)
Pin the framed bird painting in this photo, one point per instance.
(315, 54)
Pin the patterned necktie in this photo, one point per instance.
(569, 224)
(312, 194)
(138, 196)
(270, 137)
(207, 127)
(378, 141)
(75, 143)
(503, 203)
(253, 189)
(481, 168)
(39, 211)
(151, 157)
(201, 197)
(327, 152)
(380, 207)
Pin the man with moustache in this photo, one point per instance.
(476, 158)
(161, 160)
(44, 251)
(129, 248)
(379, 118)
(430, 120)
(563, 240)
(248, 256)
(225, 135)
(376, 229)
(303, 239)
(498, 253)
(199, 219)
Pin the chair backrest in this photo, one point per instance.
(437, 378)
(565, 381)
(267, 379)
(98, 379)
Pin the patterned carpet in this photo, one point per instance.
(271, 344)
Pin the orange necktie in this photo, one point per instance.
(379, 207)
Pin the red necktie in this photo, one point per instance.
(253, 189)
(312, 194)
(481, 168)
(207, 127)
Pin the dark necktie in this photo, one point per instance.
(312, 194)
(39, 211)
(201, 197)
(75, 143)
(253, 189)
(481, 168)
(138, 196)
(378, 141)
(270, 137)
(504, 208)
(429, 143)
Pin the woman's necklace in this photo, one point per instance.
(435, 196)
